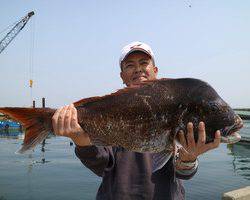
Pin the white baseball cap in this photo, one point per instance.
(136, 46)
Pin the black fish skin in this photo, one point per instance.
(145, 118)
(148, 117)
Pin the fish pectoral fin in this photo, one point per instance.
(160, 159)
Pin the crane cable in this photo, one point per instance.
(31, 58)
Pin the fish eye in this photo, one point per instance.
(214, 107)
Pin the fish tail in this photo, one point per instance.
(36, 121)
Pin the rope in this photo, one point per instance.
(31, 58)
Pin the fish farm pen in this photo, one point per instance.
(244, 113)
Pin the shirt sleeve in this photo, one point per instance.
(98, 159)
(186, 174)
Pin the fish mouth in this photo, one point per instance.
(231, 132)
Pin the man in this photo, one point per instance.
(129, 175)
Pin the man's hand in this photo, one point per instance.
(65, 123)
(192, 150)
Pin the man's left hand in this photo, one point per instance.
(191, 150)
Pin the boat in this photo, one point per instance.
(10, 128)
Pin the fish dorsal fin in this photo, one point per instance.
(125, 90)
(87, 100)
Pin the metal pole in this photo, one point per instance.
(43, 102)
(43, 143)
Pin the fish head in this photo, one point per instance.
(220, 116)
(207, 106)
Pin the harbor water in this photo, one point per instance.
(52, 171)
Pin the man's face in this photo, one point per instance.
(138, 67)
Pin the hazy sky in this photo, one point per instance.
(78, 43)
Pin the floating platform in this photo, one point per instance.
(244, 116)
(244, 139)
(242, 109)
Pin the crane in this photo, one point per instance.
(14, 31)
(17, 27)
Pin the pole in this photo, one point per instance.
(43, 102)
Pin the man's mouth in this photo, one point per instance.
(139, 78)
(232, 132)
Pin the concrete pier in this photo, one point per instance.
(239, 194)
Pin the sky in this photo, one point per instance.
(77, 46)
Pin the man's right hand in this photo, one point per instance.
(65, 123)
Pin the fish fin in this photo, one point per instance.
(125, 90)
(36, 121)
(84, 102)
(160, 159)
(87, 100)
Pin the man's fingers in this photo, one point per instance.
(202, 134)
(186, 156)
(60, 121)
(217, 139)
(55, 120)
(213, 144)
(190, 135)
(74, 121)
(183, 154)
(67, 119)
(182, 138)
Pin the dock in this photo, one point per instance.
(239, 194)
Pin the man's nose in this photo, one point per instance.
(138, 69)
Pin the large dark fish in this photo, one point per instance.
(143, 118)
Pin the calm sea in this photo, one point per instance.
(56, 173)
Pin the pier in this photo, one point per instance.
(239, 194)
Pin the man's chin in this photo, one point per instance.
(138, 81)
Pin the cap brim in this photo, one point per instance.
(136, 49)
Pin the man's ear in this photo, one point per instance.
(121, 75)
(156, 70)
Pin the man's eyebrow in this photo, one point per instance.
(129, 61)
(144, 59)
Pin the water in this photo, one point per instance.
(221, 170)
(54, 172)
(60, 176)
